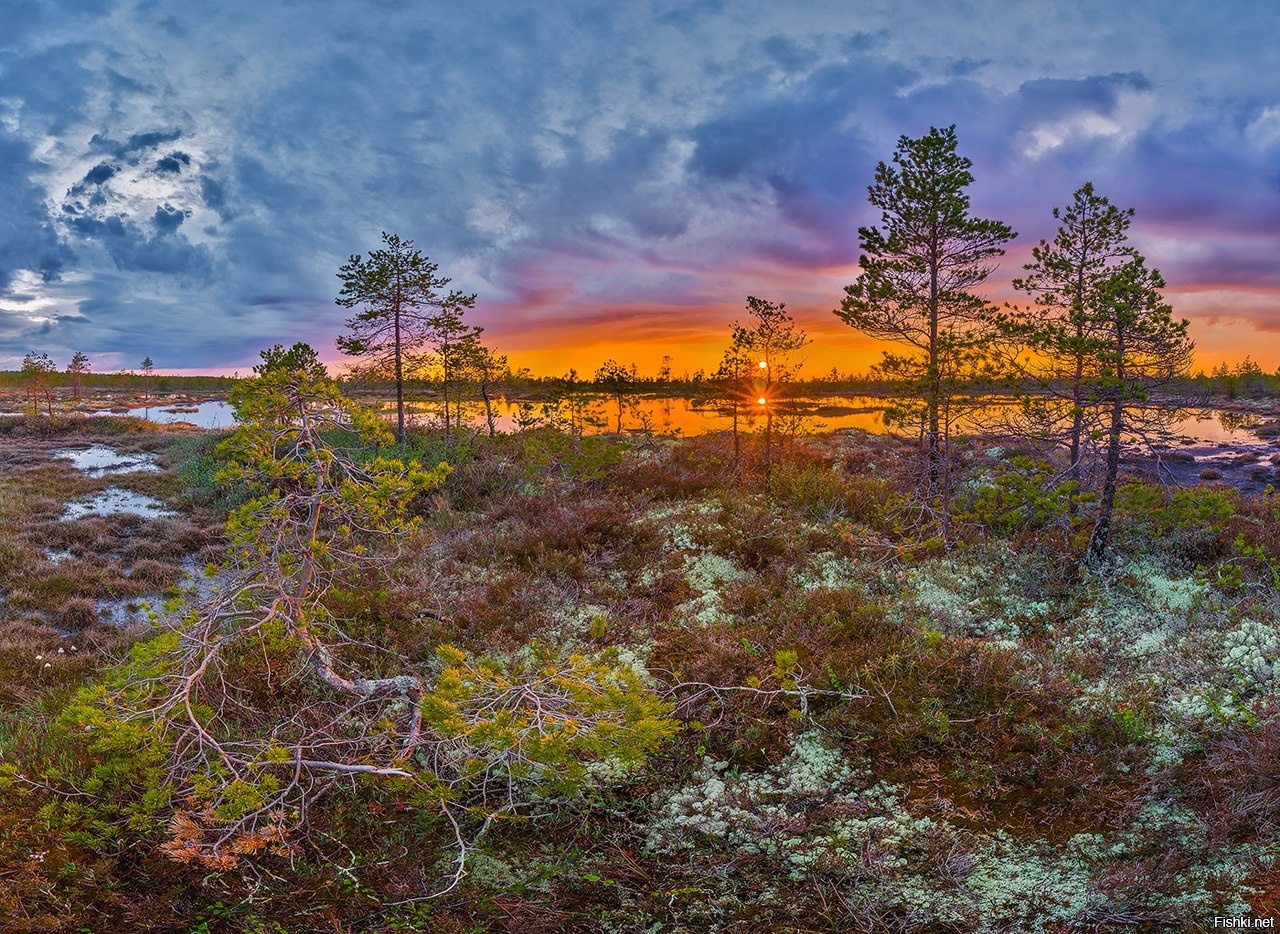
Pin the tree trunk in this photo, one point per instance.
(768, 443)
(933, 438)
(944, 473)
(488, 406)
(1077, 384)
(933, 375)
(1077, 419)
(736, 452)
(1101, 535)
(399, 375)
(444, 387)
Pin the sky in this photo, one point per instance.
(182, 180)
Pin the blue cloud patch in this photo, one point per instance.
(1050, 97)
(27, 239)
(213, 193)
(135, 143)
(132, 250)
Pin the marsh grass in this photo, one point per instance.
(100, 558)
(1013, 712)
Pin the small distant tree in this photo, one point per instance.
(770, 339)
(148, 371)
(488, 368)
(918, 270)
(664, 370)
(1250, 374)
(615, 380)
(569, 408)
(77, 369)
(450, 348)
(731, 380)
(399, 293)
(37, 377)
(1225, 380)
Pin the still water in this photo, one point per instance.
(692, 417)
(213, 414)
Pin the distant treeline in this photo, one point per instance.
(122, 382)
(1244, 379)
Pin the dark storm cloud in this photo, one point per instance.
(213, 193)
(1051, 97)
(173, 163)
(105, 228)
(99, 173)
(133, 249)
(802, 148)
(139, 141)
(163, 332)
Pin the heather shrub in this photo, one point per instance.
(1187, 524)
(649, 692)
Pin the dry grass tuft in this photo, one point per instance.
(75, 614)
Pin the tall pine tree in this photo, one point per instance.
(918, 270)
(1066, 277)
(398, 292)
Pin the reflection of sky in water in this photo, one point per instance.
(1208, 425)
(114, 500)
(690, 418)
(667, 416)
(98, 460)
(203, 414)
(826, 414)
(114, 611)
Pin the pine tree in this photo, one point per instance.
(616, 381)
(1135, 346)
(37, 375)
(77, 369)
(770, 340)
(1066, 277)
(487, 368)
(731, 380)
(148, 371)
(918, 270)
(399, 292)
(449, 347)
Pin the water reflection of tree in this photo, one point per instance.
(1046, 423)
(1238, 421)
